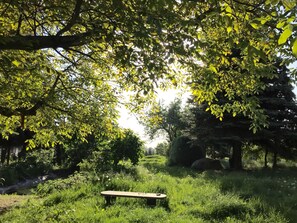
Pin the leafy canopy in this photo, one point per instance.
(63, 63)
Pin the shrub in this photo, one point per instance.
(127, 146)
(19, 171)
(162, 149)
(77, 150)
(57, 185)
(183, 153)
(98, 161)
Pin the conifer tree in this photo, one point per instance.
(278, 103)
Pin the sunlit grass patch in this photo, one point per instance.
(247, 196)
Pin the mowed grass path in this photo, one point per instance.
(247, 196)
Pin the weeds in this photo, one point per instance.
(192, 197)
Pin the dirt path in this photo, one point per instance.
(9, 201)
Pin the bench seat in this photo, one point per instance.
(151, 197)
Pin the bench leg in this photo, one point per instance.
(151, 201)
(110, 199)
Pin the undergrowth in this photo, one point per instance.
(247, 196)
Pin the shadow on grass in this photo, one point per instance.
(272, 188)
(269, 188)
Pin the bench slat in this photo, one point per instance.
(133, 194)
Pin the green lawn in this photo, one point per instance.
(247, 196)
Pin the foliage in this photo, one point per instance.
(162, 149)
(254, 196)
(149, 151)
(278, 102)
(64, 63)
(19, 171)
(167, 120)
(246, 36)
(126, 147)
(76, 150)
(54, 186)
(233, 131)
(99, 161)
(183, 153)
(108, 154)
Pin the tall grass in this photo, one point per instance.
(251, 196)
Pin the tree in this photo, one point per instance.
(168, 120)
(277, 101)
(242, 28)
(218, 137)
(183, 152)
(162, 149)
(71, 57)
(126, 146)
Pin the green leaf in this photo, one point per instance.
(213, 69)
(294, 48)
(228, 9)
(285, 35)
(263, 20)
(280, 24)
(272, 2)
(16, 63)
(289, 4)
(255, 25)
(229, 29)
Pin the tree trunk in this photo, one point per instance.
(265, 158)
(22, 154)
(3, 155)
(236, 158)
(8, 155)
(274, 160)
(58, 155)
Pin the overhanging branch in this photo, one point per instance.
(73, 19)
(42, 42)
(24, 111)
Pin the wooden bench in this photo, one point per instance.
(150, 197)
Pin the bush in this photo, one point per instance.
(19, 171)
(183, 153)
(58, 185)
(112, 156)
(162, 149)
(98, 161)
(76, 150)
(127, 146)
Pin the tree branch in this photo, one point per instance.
(29, 111)
(42, 42)
(82, 53)
(73, 19)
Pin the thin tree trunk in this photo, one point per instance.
(265, 158)
(8, 155)
(3, 155)
(274, 159)
(22, 154)
(236, 158)
(58, 155)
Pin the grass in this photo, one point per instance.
(247, 196)
(9, 201)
